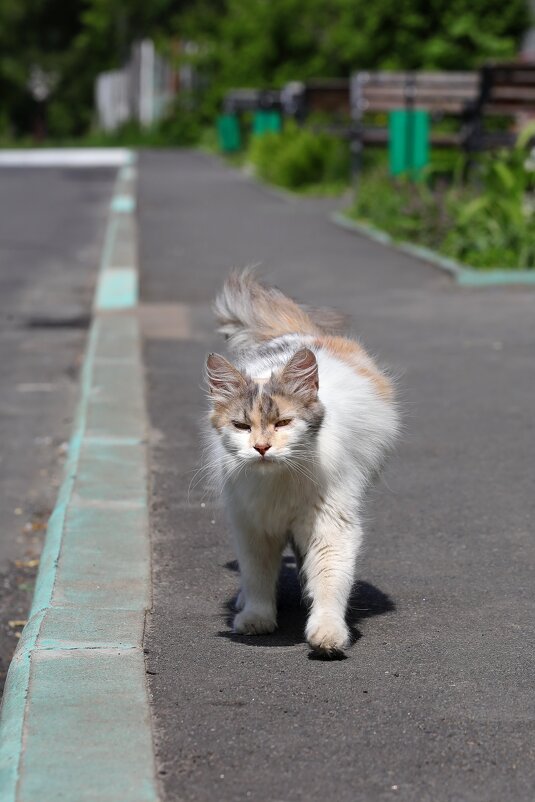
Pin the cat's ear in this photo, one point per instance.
(224, 380)
(300, 374)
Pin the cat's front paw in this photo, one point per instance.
(327, 635)
(254, 622)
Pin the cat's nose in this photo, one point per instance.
(262, 448)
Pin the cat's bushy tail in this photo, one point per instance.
(249, 313)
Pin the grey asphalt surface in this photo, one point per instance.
(436, 700)
(51, 231)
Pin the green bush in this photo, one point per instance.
(495, 225)
(404, 209)
(487, 222)
(180, 127)
(300, 158)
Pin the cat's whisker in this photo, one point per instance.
(210, 470)
(305, 473)
(298, 470)
(293, 472)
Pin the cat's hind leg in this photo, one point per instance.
(259, 560)
(329, 570)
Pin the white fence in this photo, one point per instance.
(140, 91)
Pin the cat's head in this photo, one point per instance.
(266, 422)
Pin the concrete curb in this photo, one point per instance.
(75, 719)
(463, 275)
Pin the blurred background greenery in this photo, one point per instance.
(59, 47)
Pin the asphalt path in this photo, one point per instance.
(51, 229)
(436, 700)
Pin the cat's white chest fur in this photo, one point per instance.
(272, 501)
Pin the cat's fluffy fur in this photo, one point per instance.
(299, 423)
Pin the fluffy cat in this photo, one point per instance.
(299, 423)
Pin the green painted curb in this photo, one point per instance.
(75, 718)
(123, 203)
(117, 289)
(463, 275)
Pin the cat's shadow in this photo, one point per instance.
(365, 601)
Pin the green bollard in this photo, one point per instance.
(408, 142)
(229, 134)
(275, 122)
(259, 122)
(420, 143)
(397, 142)
(266, 121)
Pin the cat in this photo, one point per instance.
(298, 425)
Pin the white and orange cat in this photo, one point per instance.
(299, 424)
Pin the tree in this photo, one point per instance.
(269, 42)
(72, 40)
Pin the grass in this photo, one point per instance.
(486, 222)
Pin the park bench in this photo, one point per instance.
(442, 94)
(264, 106)
(238, 101)
(508, 91)
(358, 109)
(329, 97)
(469, 98)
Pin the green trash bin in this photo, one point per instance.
(228, 132)
(267, 121)
(408, 141)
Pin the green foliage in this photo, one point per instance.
(416, 34)
(72, 40)
(33, 34)
(237, 42)
(404, 209)
(487, 223)
(181, 127)
(299, 158)
(268, 42)
(496, 225)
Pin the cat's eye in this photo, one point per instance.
(243, 427)
(283, 422)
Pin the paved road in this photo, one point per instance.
(51, 229)
(436, 700)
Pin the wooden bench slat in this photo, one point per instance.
(438, 106)
(455, 76)
(392, 78)
(368, 81)
(527, 82)
(507, 110)
(515, 93)
(513, 77)
(382, 103)
(445, 90)
(376, 95)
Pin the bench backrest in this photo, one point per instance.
(240, 100)
(328, 96)
(437, 92)
(508, 88)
